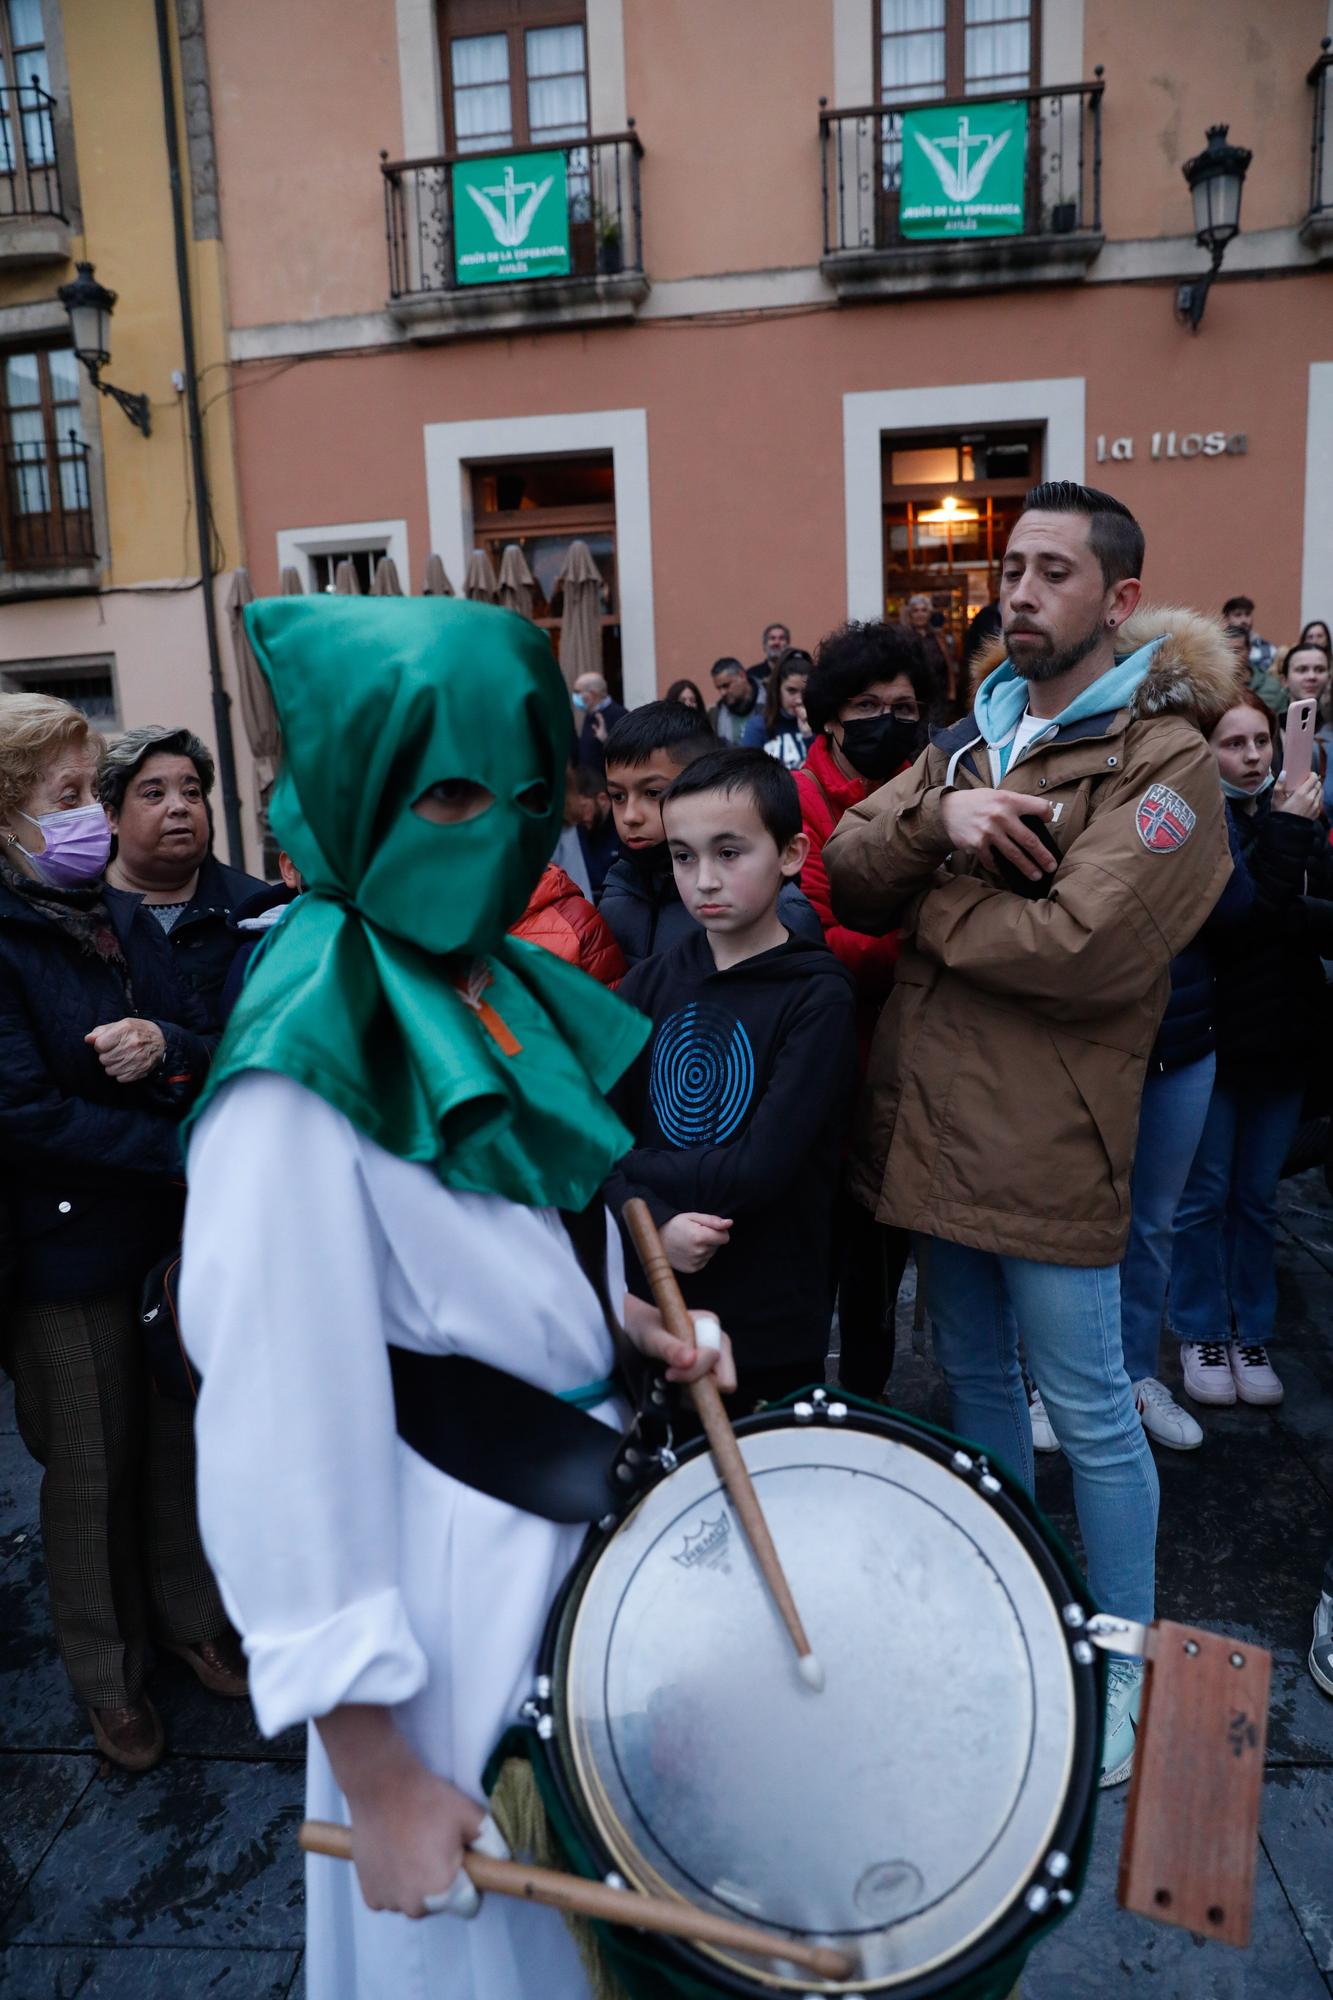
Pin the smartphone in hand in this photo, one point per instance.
(1298, 743)
(1013, 878)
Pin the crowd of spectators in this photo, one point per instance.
(725, 854)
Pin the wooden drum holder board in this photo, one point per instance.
(1191, 1833)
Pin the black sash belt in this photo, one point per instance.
(505, 1437)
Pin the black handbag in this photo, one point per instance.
(174, 1374)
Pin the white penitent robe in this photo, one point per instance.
(355, 1571)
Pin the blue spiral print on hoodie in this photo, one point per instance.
(702, 1076)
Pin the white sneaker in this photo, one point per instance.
(1256, 1381)
(1043, 1437)
(1124, 1691)
(1321, 1646)
(1207, 1370)
(1163, 1418)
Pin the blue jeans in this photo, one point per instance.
(1069, 1322)
(1171, 1121)
(1226, 1225)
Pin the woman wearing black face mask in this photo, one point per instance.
(866, 702)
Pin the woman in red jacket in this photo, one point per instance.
(865, 702)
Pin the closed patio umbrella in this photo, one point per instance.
(581, 617)
(257, 710)
(385, 580)
(346, 582)
(516, 581)
(479, 584)
(436, 583)
(292, 585)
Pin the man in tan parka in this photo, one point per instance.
(1003, 1093)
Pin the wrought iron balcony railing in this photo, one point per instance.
(601, 212)
(862, 156)
(46, 515)
(1320, 79)
(29, 171)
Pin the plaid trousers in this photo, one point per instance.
(119, 1527)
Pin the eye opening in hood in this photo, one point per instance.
(451, 801)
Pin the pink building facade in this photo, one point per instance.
(743, 368)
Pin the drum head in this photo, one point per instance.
(902, 1811)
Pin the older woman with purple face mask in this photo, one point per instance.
(97, 1067)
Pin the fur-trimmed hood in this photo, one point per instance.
(1193, 672)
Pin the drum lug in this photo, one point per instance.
(966, 1467)
(1118, 1635)
(1054, 1868)
(536, 1710)
(819, 1405)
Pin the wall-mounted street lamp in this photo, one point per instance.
(90, 306)
(1216, 178)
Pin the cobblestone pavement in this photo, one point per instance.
(186, 1884)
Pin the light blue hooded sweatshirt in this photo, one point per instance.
(1002, 700)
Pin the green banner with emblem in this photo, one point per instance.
(511, 218)
(963, 170)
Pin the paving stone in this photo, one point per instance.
(37, 1706)
(43, 1972)
(1298, 1837)
(20, 1479)
(1102, 1950)
(200, 1724)
(39, 1793)
(38, 1710)
(197, 1852)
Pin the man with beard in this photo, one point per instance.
(1045, 859)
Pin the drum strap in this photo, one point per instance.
(505, 1437)
(508, 1438)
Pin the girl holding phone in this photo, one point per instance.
(1223, 1287)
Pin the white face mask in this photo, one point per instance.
(78, 846)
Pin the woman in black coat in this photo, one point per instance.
(100, 1057)
(1269, 1011)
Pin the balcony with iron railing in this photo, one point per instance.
(47, 536)
(1317, 228)
(525, 237)
(1047, 231)
(34, 228)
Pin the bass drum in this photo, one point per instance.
(929, 1811)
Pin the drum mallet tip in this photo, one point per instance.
(811, 1672)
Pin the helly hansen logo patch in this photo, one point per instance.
(1163, 819)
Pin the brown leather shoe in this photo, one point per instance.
(132, 1737)
(219, 1664)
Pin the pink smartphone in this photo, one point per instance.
(1298, 743)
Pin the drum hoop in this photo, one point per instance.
(1071, 1827)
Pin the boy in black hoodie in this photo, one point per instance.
(645, 752)
(741, 1099)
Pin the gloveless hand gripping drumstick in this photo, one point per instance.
(610, 1906)
(721, 1437)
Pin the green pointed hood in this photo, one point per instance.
(376, 989)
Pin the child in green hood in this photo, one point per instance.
(405, 1100)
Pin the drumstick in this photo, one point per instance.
(609, 1906)
(721, 1437)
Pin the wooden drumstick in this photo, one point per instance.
(608, 1905)
(721, 1437)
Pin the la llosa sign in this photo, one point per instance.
(1170, 444)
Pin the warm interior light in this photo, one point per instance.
(949, 511)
